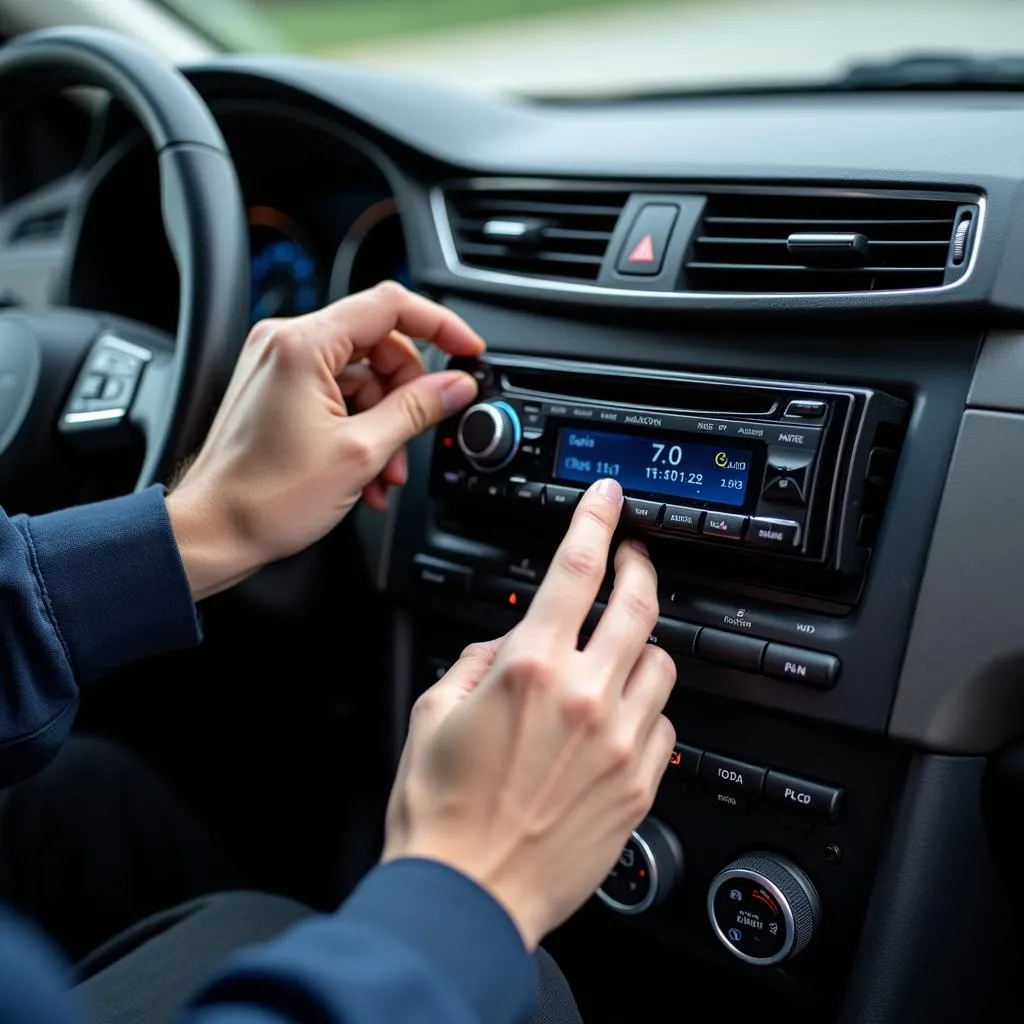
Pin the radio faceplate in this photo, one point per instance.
(779, 470)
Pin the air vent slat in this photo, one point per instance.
(554, 233)
(743, 243)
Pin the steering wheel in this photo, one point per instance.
(90, 376)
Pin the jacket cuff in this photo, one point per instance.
(114, 581)
(457, 927)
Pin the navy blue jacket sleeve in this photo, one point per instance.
(416, 943)
(82, 592)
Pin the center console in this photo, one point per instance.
(787, 512)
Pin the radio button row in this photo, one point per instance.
(810, 668)
(682, 519)
(812, 799)
(742, 652)
(640, 512)
(724, 524)
(773, 534)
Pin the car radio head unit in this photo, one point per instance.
(771, 468)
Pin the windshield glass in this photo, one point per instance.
(606, 47)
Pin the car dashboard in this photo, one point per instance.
(791, 324)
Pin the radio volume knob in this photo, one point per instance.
(489, 435)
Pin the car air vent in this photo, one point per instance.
(40, 226)
(826, 243)
(551, 233)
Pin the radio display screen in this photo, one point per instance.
(668, 466)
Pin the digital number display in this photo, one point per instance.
(677, 469)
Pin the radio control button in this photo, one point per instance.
(675, 636)
(742, 652)
(793, 435)
(482, 487)
(453, 479)
(434, 574)
(727, 775)
(528, 493)
(804, 409)
(724, 524)
(773, 534)
(507, 593)
(812, 799)
(683, 762)
(562, 497)
(641, 513)
(810, 668)
(682, 519)
(784, 490)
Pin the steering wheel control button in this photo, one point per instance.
(810, 799)
(804, 409)
(433, 574)
(796, 665)
(742, 652)
(773, 534)
(104, 390)
(648, 869)
(729, 776)
(489, 435)
(638, 512)
(643, 252)
(676, 637)
(563, 498)
(725, 525)
(763, 909)
(92, 386)
(682, 519)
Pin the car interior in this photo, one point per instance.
(789, 321)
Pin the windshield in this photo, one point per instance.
(605, 47)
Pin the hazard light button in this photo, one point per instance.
(644, 249)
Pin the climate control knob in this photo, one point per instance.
(489, 435)
(763, 909)
(648, 869)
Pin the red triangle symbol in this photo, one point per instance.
(644, 251)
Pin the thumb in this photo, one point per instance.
(414, 407)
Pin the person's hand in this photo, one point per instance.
(284, 460)
(529, 763)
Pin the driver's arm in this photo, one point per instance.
(82, 592)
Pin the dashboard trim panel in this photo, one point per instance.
(442, 223)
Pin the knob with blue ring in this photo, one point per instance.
(489, 435)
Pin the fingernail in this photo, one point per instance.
(458, 393)
(638, 545)
(608, 489)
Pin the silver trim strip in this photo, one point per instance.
(442, 223)
(97, 416)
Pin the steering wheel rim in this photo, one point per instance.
(202, 208)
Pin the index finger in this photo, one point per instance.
(355, 325)
(570, 587)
